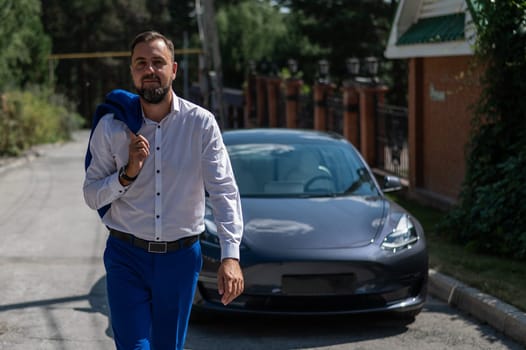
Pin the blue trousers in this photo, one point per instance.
(150, 295)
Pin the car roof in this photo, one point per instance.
(278, 135)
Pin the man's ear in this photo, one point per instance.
(174, 70)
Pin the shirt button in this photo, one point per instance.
(158, 148)
(158, 193)
(158, 171)
(157, 238)
(158, 216)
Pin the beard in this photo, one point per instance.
(152, 95)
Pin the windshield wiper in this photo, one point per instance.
(353, 187)
(363, 177)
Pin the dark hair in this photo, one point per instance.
(151, 36)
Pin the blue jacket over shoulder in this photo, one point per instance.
(126, 107)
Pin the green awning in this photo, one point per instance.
(434, 30)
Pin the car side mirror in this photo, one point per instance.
(391, 184)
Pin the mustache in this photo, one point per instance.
(150, 77)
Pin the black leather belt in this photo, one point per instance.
(154, 247)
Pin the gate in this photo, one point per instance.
(392, 150)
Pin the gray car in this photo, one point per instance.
(320, 235)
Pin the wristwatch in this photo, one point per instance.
(122, 174)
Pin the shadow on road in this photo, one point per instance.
(291, 332)
(99, 303)
(297, 332)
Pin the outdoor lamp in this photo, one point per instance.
(353, 66)
(252, 67)
(324, 67)
(371, 64)
(293, 66)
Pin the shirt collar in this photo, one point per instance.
(175, 103)
(174, 109)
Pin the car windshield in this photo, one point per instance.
(300, 170)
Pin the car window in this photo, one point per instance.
(300, 170)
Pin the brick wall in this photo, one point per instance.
(449, 88)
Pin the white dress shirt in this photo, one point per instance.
(167, 200)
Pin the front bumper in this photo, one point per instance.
(319, 288)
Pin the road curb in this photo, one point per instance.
(7, 163)
(503, 317)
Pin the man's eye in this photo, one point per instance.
(140, 65)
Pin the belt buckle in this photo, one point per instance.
(157, 247)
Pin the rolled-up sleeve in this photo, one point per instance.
(101, 182)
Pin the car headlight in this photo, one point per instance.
(402, 237)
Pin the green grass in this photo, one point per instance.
(497, 276)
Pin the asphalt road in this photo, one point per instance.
(52, 289)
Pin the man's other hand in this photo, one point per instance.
(230, 280)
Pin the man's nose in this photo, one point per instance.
(150, 67)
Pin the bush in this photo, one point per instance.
(32, 117)
(491, 215)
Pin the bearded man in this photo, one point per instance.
(150, 159)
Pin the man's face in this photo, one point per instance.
(153, 70)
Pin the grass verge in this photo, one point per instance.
(497, 276)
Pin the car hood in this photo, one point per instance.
(312, 223)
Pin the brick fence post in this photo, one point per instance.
(249, 93)
(350, 114)
(292, 90)
(321, 95)
(261, 99)
(368, 99)
(273, 90)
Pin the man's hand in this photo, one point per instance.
(138, 151)
(230, 281)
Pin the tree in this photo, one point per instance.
(491, 215)
(24, 46)
(308, 31)
(249, 31)
(80, 26)
(342, 29)
(87, 26)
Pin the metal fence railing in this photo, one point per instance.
(391, 123)
(392, 150)
(335, 113)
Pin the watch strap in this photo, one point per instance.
(122, 173)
